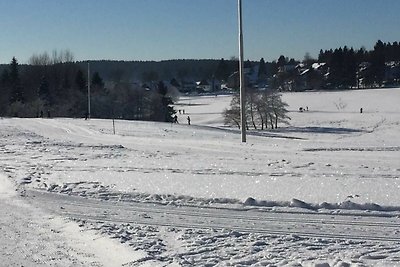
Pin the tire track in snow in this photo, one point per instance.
(302, 224)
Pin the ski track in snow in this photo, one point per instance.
(206, 231)
(245, 220)
(344, 208)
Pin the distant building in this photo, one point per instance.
(250, 78)
(188, 86)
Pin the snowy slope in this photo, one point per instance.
(331, 160)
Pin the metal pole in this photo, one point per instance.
(113, 126)
(241, 73)
(88, 68)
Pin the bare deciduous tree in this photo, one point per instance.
(263, 109)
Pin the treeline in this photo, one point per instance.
(185, 69)
(133, 89)
(57, 86)
(354, 68)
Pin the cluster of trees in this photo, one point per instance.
(58, 86)
(346, 68)
(264, 109)
(132, 102)
(49, 83)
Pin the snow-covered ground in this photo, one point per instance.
(323, 191)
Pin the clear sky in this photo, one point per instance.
(181, 29)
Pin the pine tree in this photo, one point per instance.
(378, 62)
(281, 61)
(16, 89)
(262, 69)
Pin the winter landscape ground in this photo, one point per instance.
(322, 191)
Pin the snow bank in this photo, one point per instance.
(345, 205)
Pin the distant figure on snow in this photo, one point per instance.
(176, 119)
(48, 114)
(188, 119)
(41, 114)
(301, 109)
(361, 110)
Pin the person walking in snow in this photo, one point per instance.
(188, 120)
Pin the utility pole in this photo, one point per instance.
(241, 73)
(88, 88)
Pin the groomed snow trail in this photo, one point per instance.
(301, 223)
(205, 236)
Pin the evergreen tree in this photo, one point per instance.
(378, 62)
(281, 61)
(14, 79)
(336, 69)
(350, 68)
(262, 69)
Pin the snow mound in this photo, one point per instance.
(104, 192)
(296, 203)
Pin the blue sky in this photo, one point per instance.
(170, 29)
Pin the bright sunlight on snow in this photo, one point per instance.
(322, 191)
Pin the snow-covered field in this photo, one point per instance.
(323, 191)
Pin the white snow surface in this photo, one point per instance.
(322, 191)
